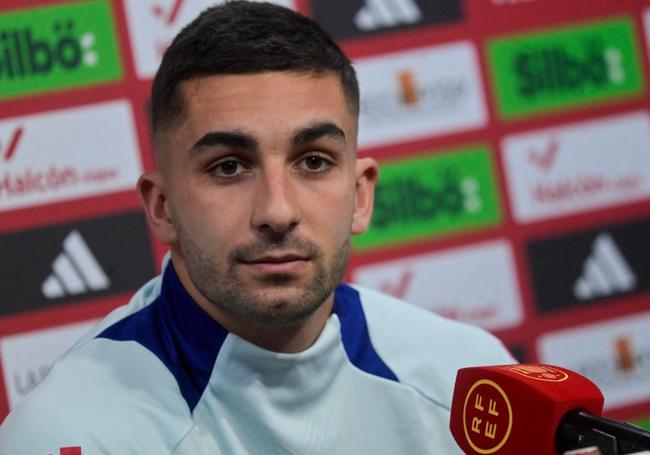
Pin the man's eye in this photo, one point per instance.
(227, 168)
(315, 163)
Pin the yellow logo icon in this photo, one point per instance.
(487, 417)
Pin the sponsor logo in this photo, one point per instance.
(474, 284)
(433, 194)
(45, 159)
(375, 14)
(419, 93)
(565, 67)
(154, 23)
(60, 46)
(539, 372)
(570, 169)
(72, 262)
(544, 159)
(487, 416)
(585, 267)
(8, 151)
(625, 352)
(75, 270)
(605, 271)
(344, 19)
(28, 357)
(617, 361)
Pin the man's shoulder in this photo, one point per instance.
(423, 349)
(104, 396)
(97, 398)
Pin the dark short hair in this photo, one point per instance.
(241, 37)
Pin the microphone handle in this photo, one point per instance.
(579, 429)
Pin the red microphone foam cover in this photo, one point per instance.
(516, 409)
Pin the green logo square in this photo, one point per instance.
(433, 194)
(55, 47)
(567, 67)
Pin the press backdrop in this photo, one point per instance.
(514, 144)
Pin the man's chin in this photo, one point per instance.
(281, 305)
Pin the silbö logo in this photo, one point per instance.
(431, 194)
(24, 55)
(554, 69)
(567, 67)
(411, 200)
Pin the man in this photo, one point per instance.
(248, 343)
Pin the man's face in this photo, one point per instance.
(262, 188)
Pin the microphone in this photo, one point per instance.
(535, 409)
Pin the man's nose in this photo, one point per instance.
(275, 210)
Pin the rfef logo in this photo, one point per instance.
(487, 417)
(475, 284)
(569, 169)
(584, 267)
(561, 68)
(60, 46)
(64, 263)
(433, 194)
(350, 19)
(419, 93)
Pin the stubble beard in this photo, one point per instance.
(224, 288)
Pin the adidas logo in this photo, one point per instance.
(605, 271)
(387, 13)
(75, 270)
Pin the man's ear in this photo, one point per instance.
(154, 200)
(366, 173)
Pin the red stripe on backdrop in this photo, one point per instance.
(67, 314)
(61, 212)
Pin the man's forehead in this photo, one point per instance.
(286, 100)
(256, 87)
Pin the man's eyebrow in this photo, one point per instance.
(231, 139)
(316, 131)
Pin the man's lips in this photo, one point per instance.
(277, 263)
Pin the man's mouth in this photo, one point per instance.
(277, 263)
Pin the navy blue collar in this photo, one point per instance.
(187, 340)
